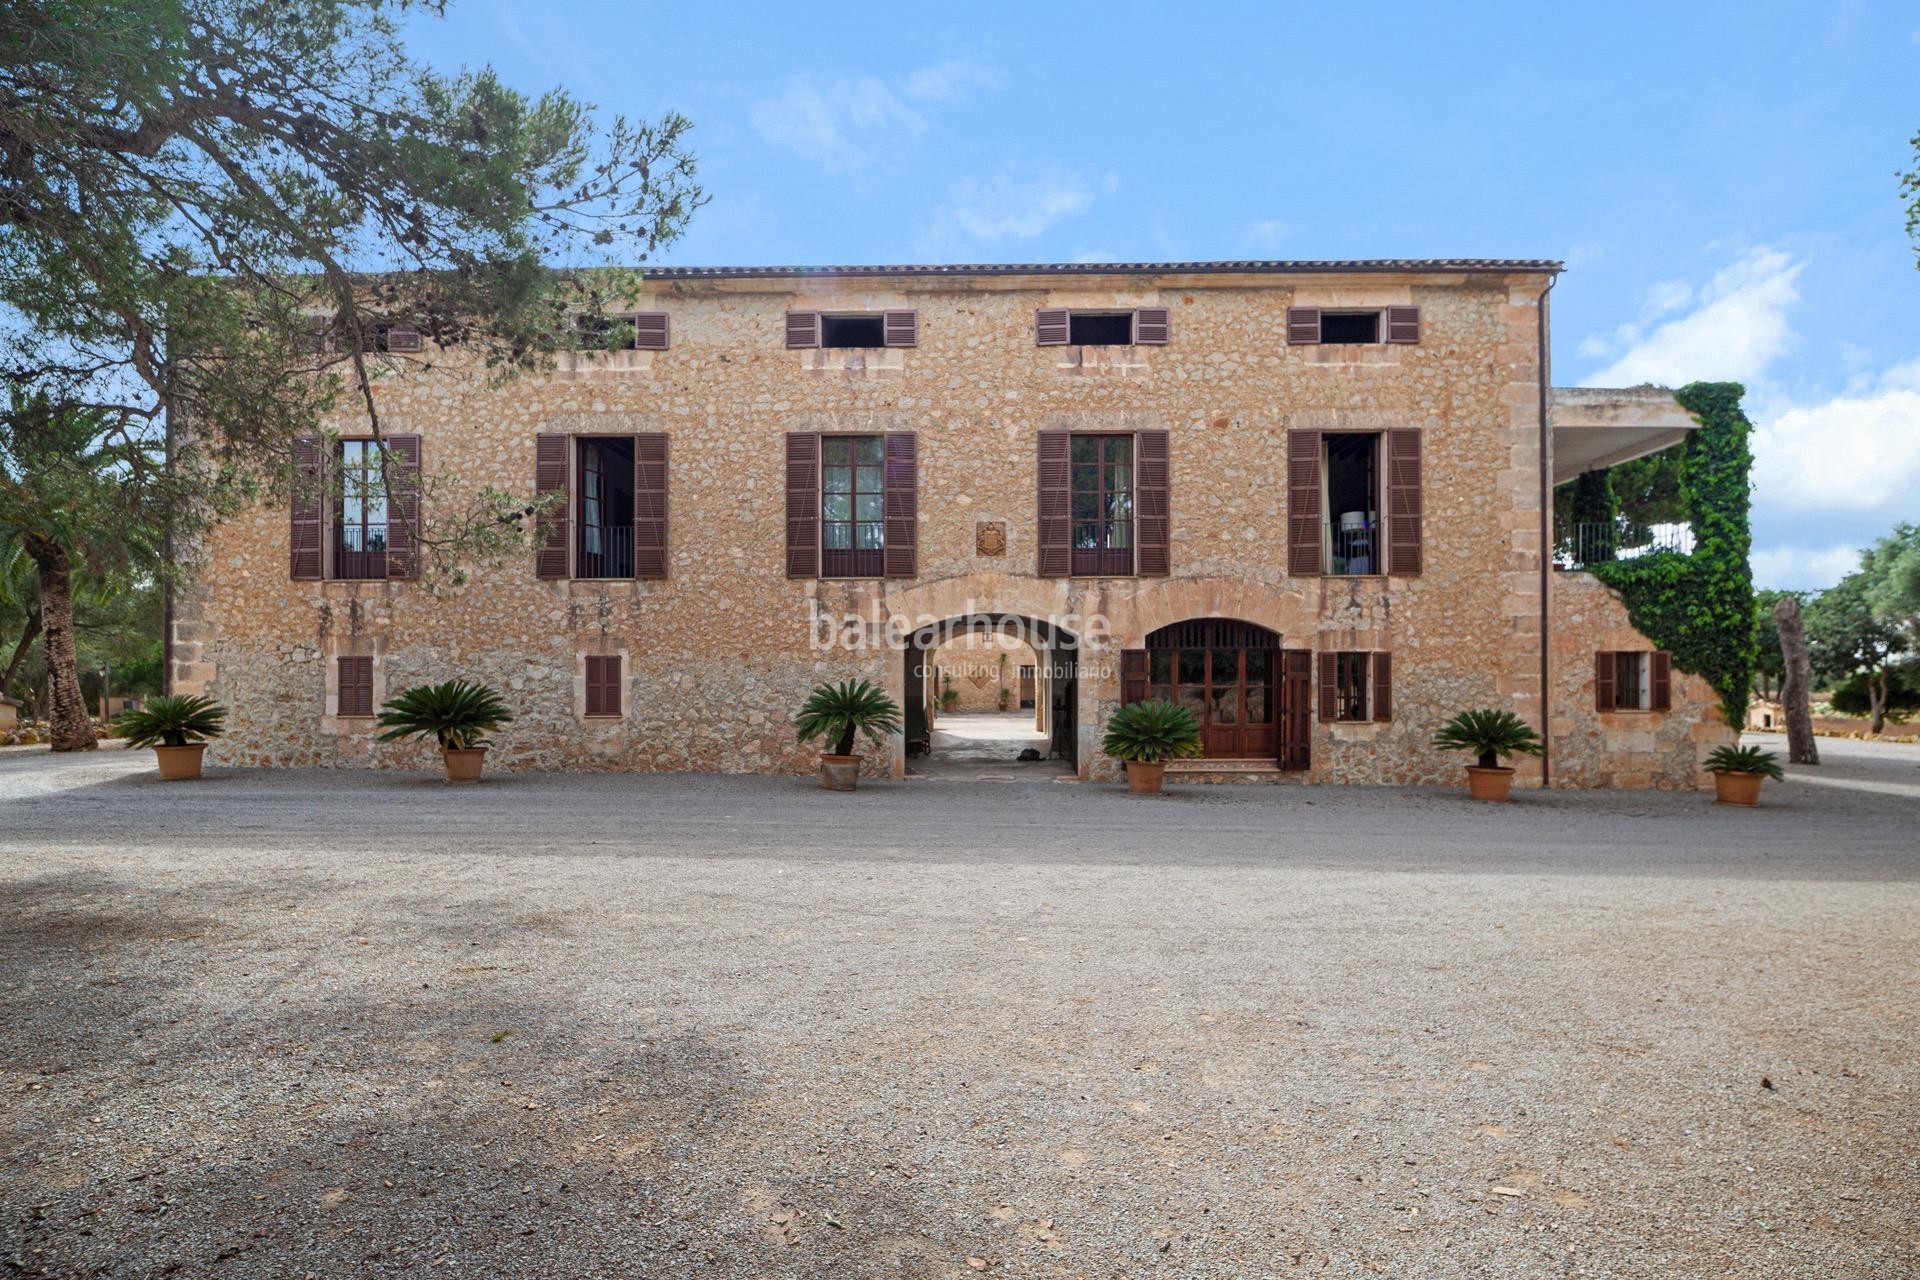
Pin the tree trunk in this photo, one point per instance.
(1877, 702)
(72, 728)
(1796, 690)
(20, 651)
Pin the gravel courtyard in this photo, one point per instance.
(338, 1025)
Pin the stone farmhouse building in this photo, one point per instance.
(1309, 500)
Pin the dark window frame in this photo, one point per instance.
(1339, 544)
(1105, 555)
(1632, 680)
(359, 544)
(832, 320)
(1088, 334)
(614, 556)
(854, 560)
(1345, 316)
(1352, 686)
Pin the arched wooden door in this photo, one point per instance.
(1226, 672)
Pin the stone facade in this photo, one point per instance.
(980, 665)
(719, 654)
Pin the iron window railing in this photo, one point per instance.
(606, 551)
(1354, 548)
(360, 551)
(1591, 543)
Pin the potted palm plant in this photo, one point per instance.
(835, 714)
(177, 728)
(457, 713)
(1489, 736)
(1739, 771)
(1145, 735)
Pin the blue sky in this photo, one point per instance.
(1718, 177)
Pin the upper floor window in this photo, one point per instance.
(1102, 505)
(634, 331)
(1360, 326)
(1064, 326)
(855, 330)
(360, 512)
(852, 507)
(1353, 503)
(604, 519)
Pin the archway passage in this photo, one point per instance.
(1229, 674)
(958, 722)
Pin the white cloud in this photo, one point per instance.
(1269, 233)
(1014, 204)
(836, 122)
(1785, 568)
(1856, 451)
(1739, 327)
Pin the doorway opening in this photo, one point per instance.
(992, 697)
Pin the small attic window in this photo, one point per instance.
(853, 331)
(1101, 329)
(1349, 328)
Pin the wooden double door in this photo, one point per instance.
(1251, 697)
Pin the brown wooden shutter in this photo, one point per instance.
(901, 505)
(1403, 324)
(306, 556)
(1152, 326)
(803, 504)
(1133, 676)
(1603, 675)
(1296, 708)
(1303, 504)
(355, 694)
(803, 328)
(1383, 686)
(1052, 326)
(1055, 531)
(1405, 552)
(1660, 681)
(603, 685)
(1303, 326)
(650, 331)
(400, 339)
(1329, 685)
(650, 504)
(552, 474)
(900, 328)
(402, 467)
(1152, 523)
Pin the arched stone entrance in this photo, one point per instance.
(1049, 728)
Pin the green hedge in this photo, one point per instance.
(1699, 607)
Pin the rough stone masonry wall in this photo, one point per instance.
(982, 664)
(719, 654)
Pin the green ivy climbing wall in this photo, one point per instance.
(1699, 607)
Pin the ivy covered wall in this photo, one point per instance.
(1699, 606)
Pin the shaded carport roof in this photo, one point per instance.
(1595, 427)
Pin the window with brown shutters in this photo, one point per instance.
(403, 507)
(1660, 680)
(1133, 676)
(1350, 479)
(1054, 523)
(852, 507)
(355, 686)
(901, 534)
(604, 474)
(1316, 326)
(1403, 324)
(1346, 687)
(900, 328)
(1604, 669)
(1296, 709)
(1152, 502)
(853, 330)
(803, 504)
(1303, 326)
(650, 505)
(360, 511)
(1382, 708)
(1062, 326)
(1406, 553)
(803, 328)
(1633, 680)
(603, 684)
(1303, 504)
(552, 475)
(306, 559)
(651, 331)
(1104, 523)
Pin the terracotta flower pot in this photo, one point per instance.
(1737, 788)
(1489, 784)
(839, 773)
(177, 764)
(1144, 776)
(463, 765)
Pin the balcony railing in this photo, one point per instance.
(360, 551)
(606, 551)
(1354, 546)
(1598, 543)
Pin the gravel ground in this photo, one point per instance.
(338, 1024)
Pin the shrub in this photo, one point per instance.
(1489, 735)
(836, 712)
(458, 713)
(172, 721)
(1745, 760)
(1152, 733)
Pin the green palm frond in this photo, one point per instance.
(1745, 760)
(1152, 733)
(458, 713)
(1489, 735)
(172, 721)
(836, 712)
